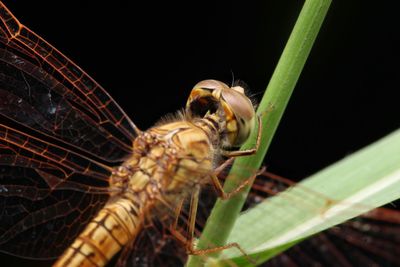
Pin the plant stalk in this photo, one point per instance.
(271, 108)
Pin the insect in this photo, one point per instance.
(96, 181)
(50, 194)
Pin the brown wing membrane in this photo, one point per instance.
(45, 91)
(47, 195)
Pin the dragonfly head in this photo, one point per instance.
(231, 103)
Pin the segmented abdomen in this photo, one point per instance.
(115, 225)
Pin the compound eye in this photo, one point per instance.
(239, 103)
(244, 115)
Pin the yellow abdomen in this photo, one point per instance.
(114, 226)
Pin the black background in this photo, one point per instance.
(149, 55)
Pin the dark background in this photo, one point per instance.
(149, 55)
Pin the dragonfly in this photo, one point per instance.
(79, 176)
(62, 136)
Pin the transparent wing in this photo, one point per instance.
(42, 89)
(47, 195)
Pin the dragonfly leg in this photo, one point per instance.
(223, 166)
(224, 195)
(177, 212)
(205, 251)
(189, 240)
(194, 201)
(247, 152)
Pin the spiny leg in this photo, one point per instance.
(177, 212)
(223, 166)
(189, 241)
(232, 155)
(194, 203)
(191, 223)
(224, 195)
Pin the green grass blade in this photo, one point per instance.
(367, 179)
(271, 108)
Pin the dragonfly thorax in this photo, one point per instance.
(170, 158)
